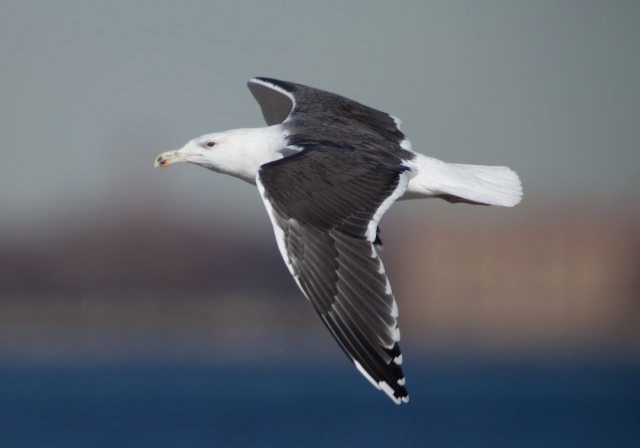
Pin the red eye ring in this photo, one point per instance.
(210, 144)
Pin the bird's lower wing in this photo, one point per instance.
(325, 217)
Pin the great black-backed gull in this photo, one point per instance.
(328, 168)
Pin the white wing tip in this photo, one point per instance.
(396, 335)
(383, 385)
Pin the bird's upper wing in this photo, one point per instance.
(298, 105)
(325, 204)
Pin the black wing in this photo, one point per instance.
(325, 205)
(309, 113)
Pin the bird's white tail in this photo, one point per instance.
(490, 185)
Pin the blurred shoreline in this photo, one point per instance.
(550, 280)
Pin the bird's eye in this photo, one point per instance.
(210, 144)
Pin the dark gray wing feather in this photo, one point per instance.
(324, 204)
(313, 115)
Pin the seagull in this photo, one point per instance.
(328, 168)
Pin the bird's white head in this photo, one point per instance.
(238, 152)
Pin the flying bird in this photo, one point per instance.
(327, 169)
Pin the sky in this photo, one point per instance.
(91, 92)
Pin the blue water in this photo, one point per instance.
(456, 404)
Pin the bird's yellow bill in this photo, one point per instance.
(168, 158)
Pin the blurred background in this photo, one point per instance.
(143, 307)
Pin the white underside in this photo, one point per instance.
(493, 185)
